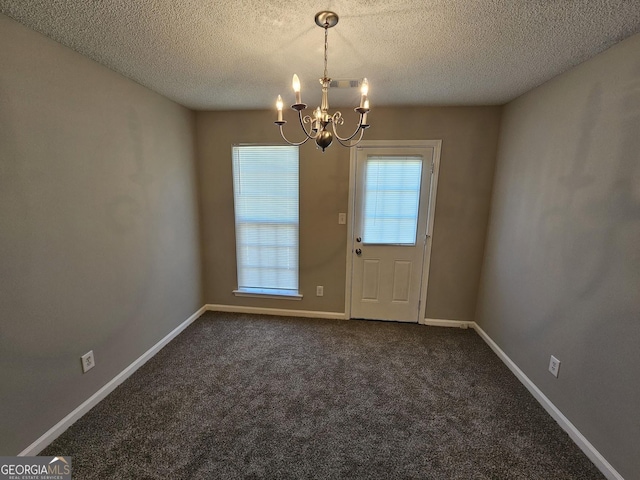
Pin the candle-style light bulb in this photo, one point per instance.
(279, 107)
(317, 114)
(364, 90)
(296, 88)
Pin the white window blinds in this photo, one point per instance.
(392, 199)
(265, 187)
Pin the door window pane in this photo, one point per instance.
(391, 199)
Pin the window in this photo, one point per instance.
(392, 198)
(265, 190)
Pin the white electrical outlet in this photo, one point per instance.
(554, 366)
(88, 361)
(319, 291)
(342, 218)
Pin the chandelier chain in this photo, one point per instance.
(326, 46)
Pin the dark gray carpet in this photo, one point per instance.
(245, 396)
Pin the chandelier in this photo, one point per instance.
(322, 125)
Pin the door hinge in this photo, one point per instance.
(432, 167)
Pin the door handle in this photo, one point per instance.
(358, 251)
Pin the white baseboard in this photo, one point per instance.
(275, 311)
(435, 322)
(59, 428)
(589, 450)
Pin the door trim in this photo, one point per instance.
(437, 147)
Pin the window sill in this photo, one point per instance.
(267, 293)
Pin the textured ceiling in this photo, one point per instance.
(238, 54)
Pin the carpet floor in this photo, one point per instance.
(248, 396)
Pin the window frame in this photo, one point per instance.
(265, 292)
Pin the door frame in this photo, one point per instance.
(437, 147)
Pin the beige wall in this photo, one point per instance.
(469, 138)
(562, 264)
(98, 239)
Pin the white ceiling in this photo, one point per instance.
(240, 54)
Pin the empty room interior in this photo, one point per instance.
(131, 135)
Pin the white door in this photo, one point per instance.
(390, 231)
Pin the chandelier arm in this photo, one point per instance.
(304, 129)
(342, 141)
(295, 144)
